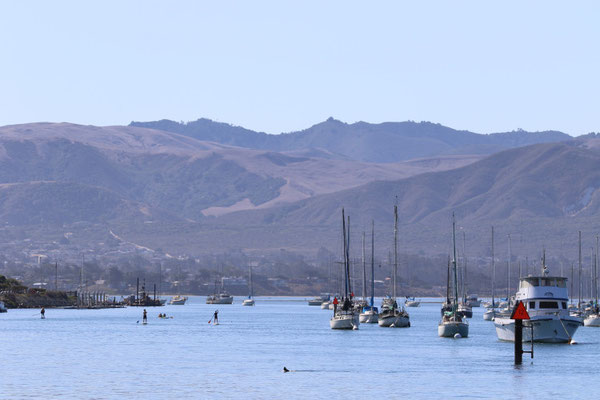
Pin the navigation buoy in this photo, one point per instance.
(285, 370)
(457, 336)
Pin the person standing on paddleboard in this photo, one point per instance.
(216, 317)
(43, 313)
(145, 317)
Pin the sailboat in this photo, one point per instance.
(490, 313)
(220, 296)
(250, 300)
(453, 323)
(178, 299)
(370, 313)
(391, 316)
(593, 318)
(344, 315)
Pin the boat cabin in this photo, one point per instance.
(546, 292)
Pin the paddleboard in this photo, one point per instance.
(144, 323)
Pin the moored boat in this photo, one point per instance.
(453, 323)
(546, 298)
(344, 314)
(178, 300)
(391, 316)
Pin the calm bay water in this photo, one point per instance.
(106, 354)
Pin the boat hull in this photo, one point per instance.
(451, 328)
(489, 315)
(368, 317)
(248, 302)
(394, 321)
(592, 320)
(549, 329)
(345, 321)
(325, 305)
(220, 301)
(315, 302)
(413, 303)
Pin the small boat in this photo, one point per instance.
(489, 314)
(344, 315)
(220, 296)
(592, 319)
(465, 310)
(177, 300)
(453, 324)
(546, 299)
(317, 301)
(391, 316)
(473, 301)
(325, 305)
(2, 307)
(412, 302)
(250, 300)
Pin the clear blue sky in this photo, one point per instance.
(280, 66)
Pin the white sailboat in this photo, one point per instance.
(391, 316)
(344, 315)
(546, 298)
(370, 313)
(250, 300)
(453, 323)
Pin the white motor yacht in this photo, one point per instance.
(178, 300)
(546, 298)
(220, 298)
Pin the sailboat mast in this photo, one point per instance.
(579, 290)
(372, 263)
(596, 271)
(493, 272)
(448, 281)
(395, 251)
(508, 271)
(454, 263)
(345, 255)
(464, 283)
(348, 259)
(364, 262)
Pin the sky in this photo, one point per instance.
(281, 66)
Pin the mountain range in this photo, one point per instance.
(361, 141)
(206, 187)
